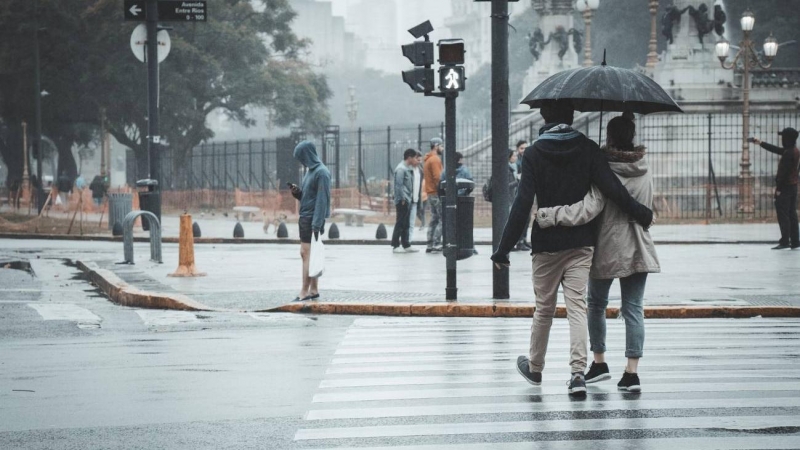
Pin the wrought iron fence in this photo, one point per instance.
(695, 159)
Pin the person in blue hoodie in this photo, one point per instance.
(315, 207)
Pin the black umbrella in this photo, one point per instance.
(603, 88)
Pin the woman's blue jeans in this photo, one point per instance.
(632, 288)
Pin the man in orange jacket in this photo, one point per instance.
(432, 171)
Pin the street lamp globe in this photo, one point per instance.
(748, 21)
(593, 4)
(770, 47)
(722, 48)
(581, 5)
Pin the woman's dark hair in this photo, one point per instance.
(620, 133)
(511, 154)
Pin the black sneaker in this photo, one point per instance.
(534, 378)
(780, 247)
(597, 372)
(629, 382)
(795, 246)
(577, 385)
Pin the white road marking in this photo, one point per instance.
(67, 311)
(157, 317)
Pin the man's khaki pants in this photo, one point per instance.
(569, 268)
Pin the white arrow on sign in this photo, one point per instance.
(452, 79)
(135, 10)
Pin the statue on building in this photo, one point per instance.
(701, 20)
(561, 37)
(719, 20)
(577, 40)
(536, 43)
(668, 20)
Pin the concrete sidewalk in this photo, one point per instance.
(260, 277)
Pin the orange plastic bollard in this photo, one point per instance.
(186, 251)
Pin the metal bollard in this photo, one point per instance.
(155, 235)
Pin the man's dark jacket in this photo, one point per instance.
(787, 166)
(559, 169)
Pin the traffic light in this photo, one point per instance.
(420, 80)
(451, 52)
(452, 78)
(420, 53)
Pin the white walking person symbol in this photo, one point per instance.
(452, 79)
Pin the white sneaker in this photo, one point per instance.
(412, 250)
(398, 250)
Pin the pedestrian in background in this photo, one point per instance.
(432, 170)
(315, 201)
(99, 187)
(522, 244)
(624, 250)
(403, 195)
(786, 187)
(462, 172)
(416, 195)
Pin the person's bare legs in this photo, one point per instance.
(313, 287)
(305, 252)
(632, 366)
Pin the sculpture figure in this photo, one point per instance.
(561, 37)
(719, 20)
(704, 24)
(668, 20)
(536, 43)
(577, 40)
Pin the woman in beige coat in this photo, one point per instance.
(624, 250)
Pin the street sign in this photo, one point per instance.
(451, 79)
(139, 43)
(168, 10)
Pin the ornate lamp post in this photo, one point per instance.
(652, 55)
(587, 7)
(747, 58)
(352, 105)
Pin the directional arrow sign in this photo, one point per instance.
(168, 10)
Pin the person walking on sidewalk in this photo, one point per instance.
(786, 187)
(315, 201)
(416, 195)
(403, 196)
(522, 244)
(433, 172)
(624, 250)
(559, 169)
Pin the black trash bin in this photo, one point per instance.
(149, 200)
(465, 242)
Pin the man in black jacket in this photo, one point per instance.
(786, 187)
(559, 169)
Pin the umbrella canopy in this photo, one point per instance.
(604, 88)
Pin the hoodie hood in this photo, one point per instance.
(306, 153)
(560, 143)
(628, 164)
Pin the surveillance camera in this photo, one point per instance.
(421, 30)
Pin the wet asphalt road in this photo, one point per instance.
(79, 372)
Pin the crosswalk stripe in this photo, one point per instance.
(707, 386)
(157, 317)
(446, 348)
(539, 426)
(467, 378)
(528, 407)
(511, 354)
(786, 363)
(704, 443)
(69, 312)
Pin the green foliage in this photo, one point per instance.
(245, 55)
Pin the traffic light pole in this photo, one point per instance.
(500, 201)
(451, 196)
(153, 137)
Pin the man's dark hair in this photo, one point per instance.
(459, 156)
(620, 133)
(511, 154)
(558, 111)
(521, 142)
(410, 153)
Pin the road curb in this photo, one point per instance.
(386, 242)
(526, 310)
(124, 294)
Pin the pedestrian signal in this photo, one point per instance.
(420, 80)
(451, 79)
(451, 52)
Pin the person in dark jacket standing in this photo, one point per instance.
(99, 187)
(786, 187)
(315, 201)
(559, 169)
(404, 192)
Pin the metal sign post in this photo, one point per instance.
(451, 195)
